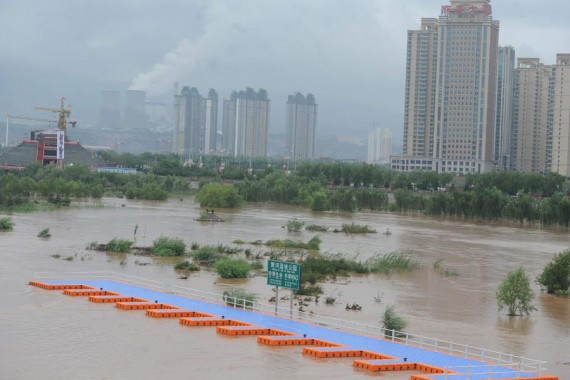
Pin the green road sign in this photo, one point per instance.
(284, 274)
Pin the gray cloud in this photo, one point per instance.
(351, 55)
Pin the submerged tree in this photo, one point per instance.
(556, 274)
(515, 294)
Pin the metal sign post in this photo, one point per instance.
(286, 275)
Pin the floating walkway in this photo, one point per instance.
(371, 354)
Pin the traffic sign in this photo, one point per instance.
(284, 274)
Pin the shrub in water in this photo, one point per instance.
(316, 228)
(232, 268)
(186, 265)
(165, 246)
(206, 255)
(119, 245)
(392, 321)
(295, 225)
(556, 274)
(6, 224)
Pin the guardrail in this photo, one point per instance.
(514, 362)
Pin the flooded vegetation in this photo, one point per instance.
(372, 271)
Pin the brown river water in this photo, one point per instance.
(50, 336)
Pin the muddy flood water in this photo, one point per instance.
(47, 335)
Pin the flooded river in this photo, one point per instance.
(45, 335)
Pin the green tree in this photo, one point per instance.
(218, 195)
(515, 294)
(556, 274)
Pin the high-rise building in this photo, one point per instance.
(450, 97)
(110, 111)
(530, 116)
(210, 121)
(195, 122)
(505, 73)
(300, 125)
(135, 113)
(559, 141)
(245, 123)
(379, 146)
(419, 107)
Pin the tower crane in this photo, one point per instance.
(63, 114)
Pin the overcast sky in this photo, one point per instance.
(349, 54)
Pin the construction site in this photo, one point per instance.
(46, 146)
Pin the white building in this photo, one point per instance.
(379, 146)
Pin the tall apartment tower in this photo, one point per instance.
(531, 116)
(379, 145)
(135, 113)
(450, 103)
(110, 110)
(195, 122)
(560, 113)
(300, 125)
(210, 121)
(505, 76)
(466, 89)
(419, 108)
(245, 123)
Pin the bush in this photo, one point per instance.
(256, 265)
(119, 245)
(515, 294)
(6, 224)
(218, 195)
(239, 297)
(556, 274)
(392, 321)
(186, 265)
(392, 262)
(295, 225)
(320, 268)
(206, 255)
(315, 243)
(232, 268)
(44, 233)
(165, 246)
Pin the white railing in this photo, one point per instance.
(516, 363)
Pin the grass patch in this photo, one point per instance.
(204, 217)
(165, 246)
(320, 268)
(239, 242)
(44, 233)
(316, 228)
(392, 262)
(356, 229)
(119, 245)
(187, 266)
(257, 265)
(6, 224)
(313, 244)
(232, 268)
(443, 270)
(239, 298)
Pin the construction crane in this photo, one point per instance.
(63, 115)
(10, 117)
